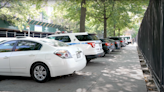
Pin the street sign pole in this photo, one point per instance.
(28, 30)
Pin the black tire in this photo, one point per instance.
(103, 54)
(88, 60)
(35, 75)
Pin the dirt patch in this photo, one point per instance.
(150, 84)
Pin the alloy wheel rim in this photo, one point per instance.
(40, 73)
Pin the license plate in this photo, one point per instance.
(98, 49)
(100, 45)
(78, 55)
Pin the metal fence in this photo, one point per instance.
(151, 40)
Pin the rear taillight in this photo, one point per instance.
(107, 44)
(121, 41)
(92, 44)
(115, 42)
(63, 54)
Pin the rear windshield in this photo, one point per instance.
(60, 38)
(104, 40)
(110, 39)
(115, 38)
(55, 43)
(107, 40)
(87, 37)
(128, 37)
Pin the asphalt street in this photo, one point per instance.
(119, 71)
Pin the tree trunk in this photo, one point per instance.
(114, 30)
(69, 28)
(105, 22)
(105, 25)
(82, 17)
(118, 32)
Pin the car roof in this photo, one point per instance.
(81, 33)
(125, 36)
(25, 38)
(114, 37)
(110, 39)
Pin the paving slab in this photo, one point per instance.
(123, 73)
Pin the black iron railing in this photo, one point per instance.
(151, 40)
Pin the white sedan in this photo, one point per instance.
(39, 58)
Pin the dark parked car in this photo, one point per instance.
(117, 43)
(120, 39)
(106, 46)
(113, 47)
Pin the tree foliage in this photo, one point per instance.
(110, 16)
(17, 12)
(117, 13)
(60, 17)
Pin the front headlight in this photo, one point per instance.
(63, 54)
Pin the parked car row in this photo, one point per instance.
(128, 39)
(55, 55)
(89, 43)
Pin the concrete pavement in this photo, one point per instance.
(119, 71)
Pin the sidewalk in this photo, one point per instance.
(122, 74)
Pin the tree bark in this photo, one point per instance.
(3, 5)
(105, 25)
(118, 32)
(105, 22)
(114, 30)
(82, 17)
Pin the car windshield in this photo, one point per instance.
(54, 43)
(2, 41)
(87, 37)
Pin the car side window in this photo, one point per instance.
(27, 46)
(51, 37)
(63, 38)
(7, 46)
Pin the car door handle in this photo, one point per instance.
(32, 55)
(5, 57)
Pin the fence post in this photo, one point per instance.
(162, 47)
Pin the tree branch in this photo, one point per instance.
(112, 9)
(4, 4)
(100, 20)
(98, 3)
(94, 16)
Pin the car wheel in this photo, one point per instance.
(40, 72)
(88, 60)
(103, 54)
